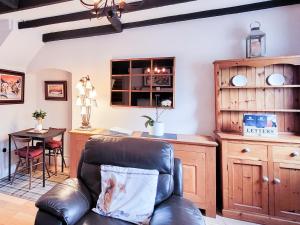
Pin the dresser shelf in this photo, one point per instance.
(261, 87)
(262, 110)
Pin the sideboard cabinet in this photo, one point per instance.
(260, 176)
(198, 155)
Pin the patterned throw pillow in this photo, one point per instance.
(127, 193)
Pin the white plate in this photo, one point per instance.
(239, 80)
(275, 79)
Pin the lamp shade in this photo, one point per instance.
(81, 91)
(88, 102)
(88, 85)
(79, 85)
(93, 93)
(78, 101)
(83, 110)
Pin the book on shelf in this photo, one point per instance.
(260, 125)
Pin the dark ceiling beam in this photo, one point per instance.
(28, 4)
(80, 33)
(14, 4)
(95, 31)
(131, 7)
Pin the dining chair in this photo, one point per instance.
(29, 156)
(54, 148)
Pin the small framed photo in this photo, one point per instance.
(158, 81)
(56, 90)
(12, 87)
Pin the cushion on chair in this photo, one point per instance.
(52, 144)
(127, 193)
(34, 152)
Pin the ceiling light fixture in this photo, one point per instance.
(108, 8)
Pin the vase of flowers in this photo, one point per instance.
(155, 126)
(39, 117)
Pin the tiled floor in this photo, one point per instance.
(20, 186)
(225, 221)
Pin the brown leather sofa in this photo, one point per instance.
(71, 202)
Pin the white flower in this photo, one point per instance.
(166, 103)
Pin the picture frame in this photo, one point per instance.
(12, 87)
(56, 90)
(158, 81)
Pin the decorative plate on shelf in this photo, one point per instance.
(239, 81)
(276, 79)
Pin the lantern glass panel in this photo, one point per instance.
(256, 43)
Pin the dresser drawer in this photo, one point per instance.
(247, 151)
(286, 154)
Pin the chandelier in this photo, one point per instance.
(109, 8)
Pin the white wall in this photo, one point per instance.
(195, 44)
(59, 113)
(16, 51)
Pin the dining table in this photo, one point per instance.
(43, 137)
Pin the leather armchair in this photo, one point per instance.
(70, 203)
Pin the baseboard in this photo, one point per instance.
(257, 218)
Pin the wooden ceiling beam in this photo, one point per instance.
(108, 29)
(80, 33)
(28, 4)
(131, 7)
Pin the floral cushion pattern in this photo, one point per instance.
(127, 193)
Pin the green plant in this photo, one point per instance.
(166, 104)
(149, 121)
(39, 114)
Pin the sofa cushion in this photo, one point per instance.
(128, 152)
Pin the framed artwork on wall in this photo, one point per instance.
(56, 90)
(12, 87)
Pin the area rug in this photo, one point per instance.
(20, 186)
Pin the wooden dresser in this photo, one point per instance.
(198, 155)
(260, 176)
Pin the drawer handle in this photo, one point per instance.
(276, 181)
(245, 150)
(294, 154)
(265, 179)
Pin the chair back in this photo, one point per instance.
(20, 143)
(58, 129)
(127, 152)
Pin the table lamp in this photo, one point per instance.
(86, 99)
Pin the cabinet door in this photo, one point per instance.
(77, 145)
(287, 190)
(194, 173)
(248, 185)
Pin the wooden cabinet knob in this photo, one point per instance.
(245, 150)
(294, 154)
(276, 181)
(265, 179)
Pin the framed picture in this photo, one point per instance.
(158, 81)
(56, 90)
(12, 85)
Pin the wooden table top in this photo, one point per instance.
(181, 138)
(49, 134)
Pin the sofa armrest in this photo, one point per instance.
(177, 211)
(178, 186)
(43, 218)
(68, 201)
